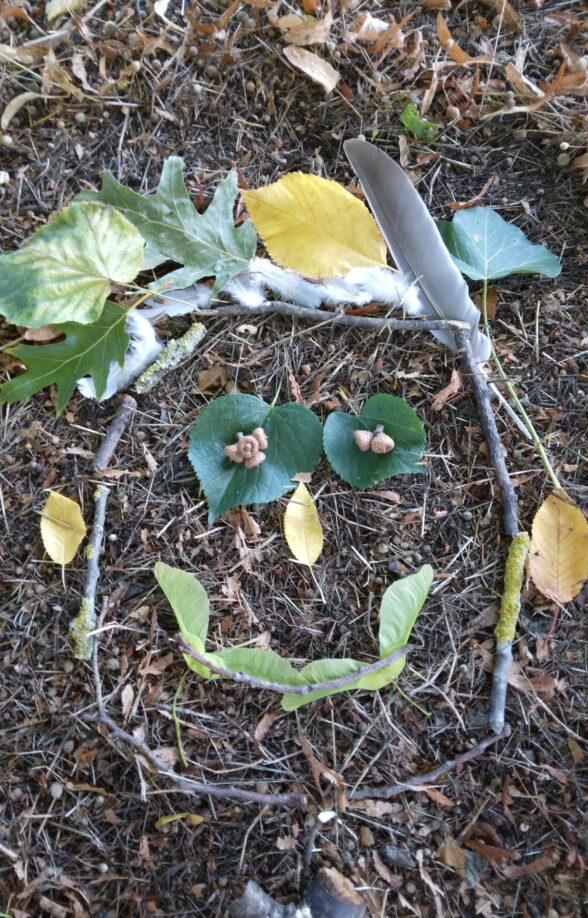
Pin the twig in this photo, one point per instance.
(115, 430)
(85, 621)
(277, 307)
(417, 782)
(510, 606)
(283, 688)
(510, 516)
(187, 785)
(178, 350)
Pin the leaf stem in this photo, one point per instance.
(515, 399)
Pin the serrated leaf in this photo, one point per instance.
(294, 445)
(62, 528)
(86, 351)
(558, 558)
(418, 127)
(486, 247)
(364, 469)
(314, 226)
(64, 272)
(302, 526)
(208, 244)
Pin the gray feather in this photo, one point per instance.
(415, 243)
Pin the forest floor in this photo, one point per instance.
(121, 87)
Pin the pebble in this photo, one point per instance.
(69, 746)
(80, 117)
(56, 790)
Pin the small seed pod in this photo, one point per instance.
(247, 450)
(363, 439)
(381, 443)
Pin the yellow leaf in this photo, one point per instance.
(314, 226)
(62, 528)
(317, 68)
(302, 527)
(192, 819)
(57, 8)
(558, 559)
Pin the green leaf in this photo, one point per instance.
(208, 244)
(64, 271)
(401, 603)
(188, 599)
(266, 665)
(86, 351)
(418, 127)
(321, 671)
(364, 469)
(294, 445)
(486, 247)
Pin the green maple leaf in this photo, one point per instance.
(87, 350)
(208, 245)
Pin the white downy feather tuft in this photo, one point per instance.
(178, 302)
(144, 347)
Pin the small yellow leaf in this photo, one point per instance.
(314, 226)
(317, 68)
(302, 527)
(62, 528)
(558, 559)
(192, 819)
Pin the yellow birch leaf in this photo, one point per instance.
(558, 559)
(302, 527)
(62, 528)
(314, 226)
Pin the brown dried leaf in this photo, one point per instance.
(448, 44)
(521, 84)
(532, 867)
(309, 32)
(452, 855)
(454, 386)
(366, 28)
(42, 335)
(127, 696)
(263, 727)
(506, 11)
(313, 66)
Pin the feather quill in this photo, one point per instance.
(415, 243)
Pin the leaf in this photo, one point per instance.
(192, 819)
(486, 247)
(63, 273)
(313, 66)
(321, 671)
(401, 603)
(208, 245)
(364, 469)
(57, 8)
(188, 599)
(308, 31)
(418, 127)
(62, 528)
(86, 351)
(294, 445)
(558, 558)
(302, 526)
(314, 226)
(15, 105)
(444, 395)
(266, 665)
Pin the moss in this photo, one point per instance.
(80, 629)
(510, 604)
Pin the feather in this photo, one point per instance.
(178, 302)
(144, 347)
(415, 243)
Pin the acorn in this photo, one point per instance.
(381, 443)
(363, 439)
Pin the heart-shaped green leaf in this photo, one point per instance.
(486, 247)
(294, 445)
(64, 272)
(363, 469)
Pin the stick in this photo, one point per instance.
(85, 621)
(284, 689)
(276, 307)
(417, 781)
(115, 430)
(510, 606)
(510, 516)
(178, 350)
(189, 786)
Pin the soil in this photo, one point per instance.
(86, 827)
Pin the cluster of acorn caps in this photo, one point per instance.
(377, 441)
(249, 448)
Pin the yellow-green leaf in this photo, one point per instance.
(192, 819)
(62, 528)
(558, 559)
(302, 526)
(314, 226)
